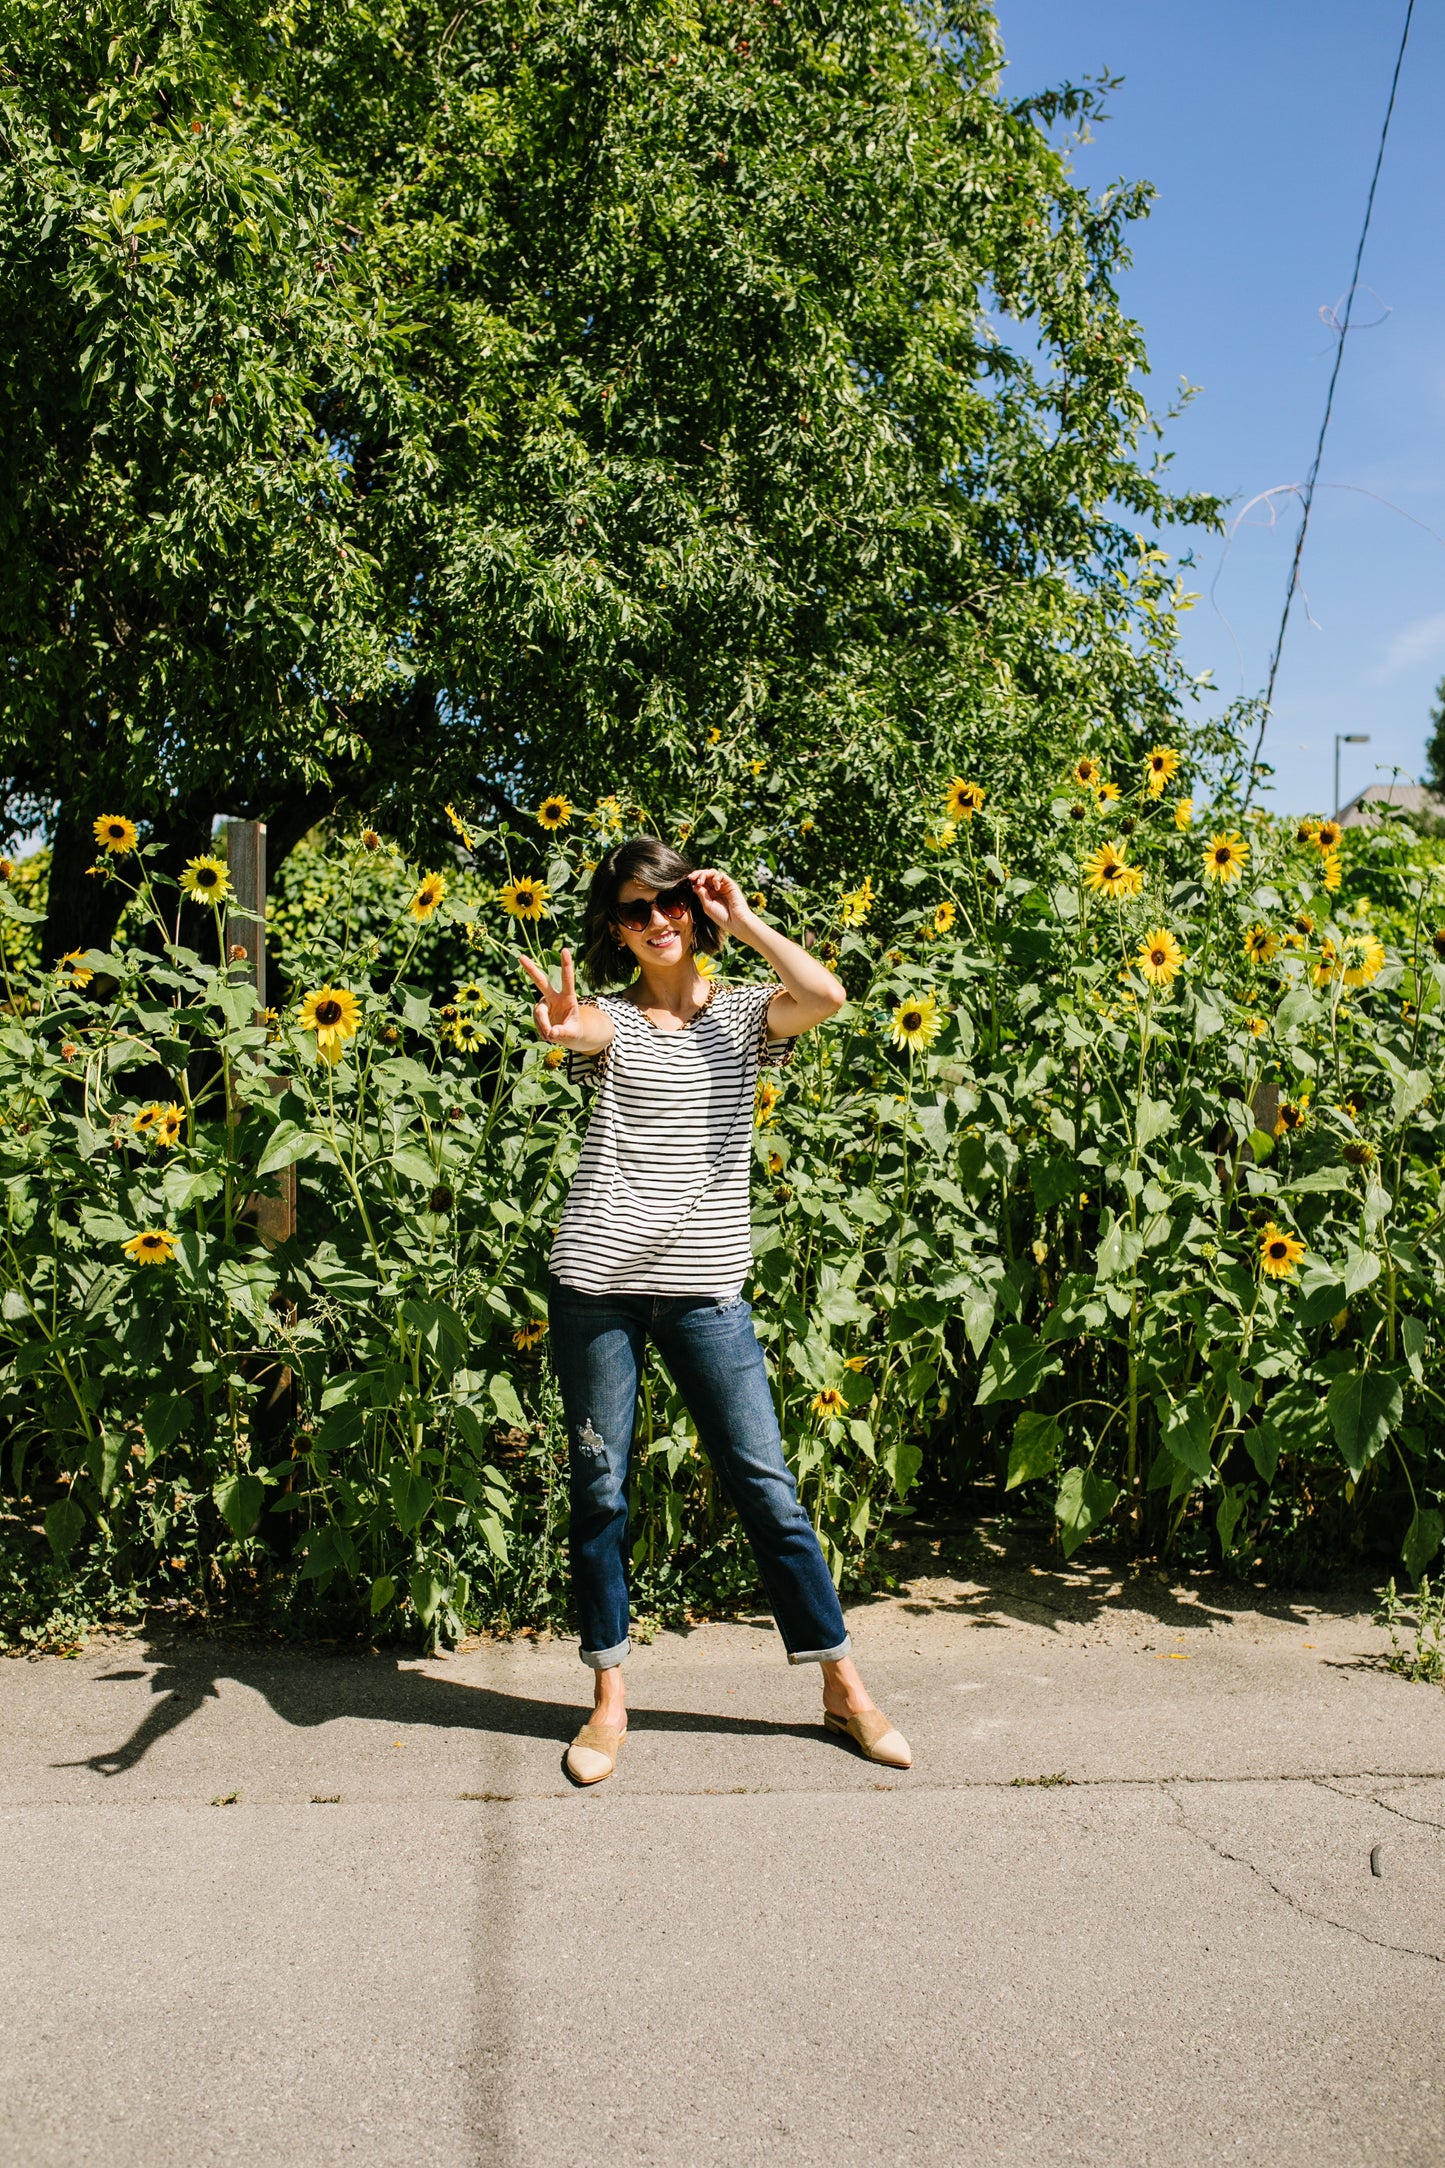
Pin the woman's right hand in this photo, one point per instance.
(560, 1018)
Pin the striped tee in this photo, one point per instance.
(659, 1202)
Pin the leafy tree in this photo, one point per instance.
(184, 609)
(1435, 747)
(613, 398)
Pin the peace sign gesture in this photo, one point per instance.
(560, 1018)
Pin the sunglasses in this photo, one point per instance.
(674, 904)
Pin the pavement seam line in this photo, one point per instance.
(1421, 1821)
(1307, 1912)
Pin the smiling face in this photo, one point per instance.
(663, 941)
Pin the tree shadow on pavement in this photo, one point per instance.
(307, 1690)
(1012, 1573)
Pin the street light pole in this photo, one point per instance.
(1346, 737)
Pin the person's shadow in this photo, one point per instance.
(308, 1690)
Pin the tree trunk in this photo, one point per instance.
(82, 908)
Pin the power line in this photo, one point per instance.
(1308, 493)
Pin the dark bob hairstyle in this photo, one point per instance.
(656, 865)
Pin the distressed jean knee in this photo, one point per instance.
(588, 1443)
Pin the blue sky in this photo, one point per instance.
(1258, 125)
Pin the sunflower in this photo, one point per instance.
(525, 899)
(1107, 871)
(1159, 958)
(856, 904)
(145, 1120)
(758, 900)
(962, 800)
(705, 966)
(169, 1123)
(756, 767)
(1133, 882)
(555, 811)
(1307, 832)
(768, 1097)
(466, 1034)
(916, 1023)
(1160, 767)
(114, 833)
(1106, 795)
(1256, 1026)
(805, 828)
(429, 894)
(1086, 772)
(334, 1014)
(775, 1164)
(1437, 942)
(1333, 871)
(76, 974)
(471, 996)
(554, 1057)
(370, 840)
(1327, 836)
(1260, 945)
(1224, 860)
(206, 880)
(1279, 1253)
(152, 1246)
(526, 1336)
(714, 736)
(829, 1403)
(1358, 1153)
(944, 917)
(942, 838)
(1328, 966)
(1184, 813)
(460, 826)
(1293, 1115)
(1304, 923)
(441, 1199)
(684, 830)
(1364, 958)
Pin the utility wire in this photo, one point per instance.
(1308, 493)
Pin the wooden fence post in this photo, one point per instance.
(246, 929)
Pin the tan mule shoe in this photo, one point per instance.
(873, 1735)
(593, 1753)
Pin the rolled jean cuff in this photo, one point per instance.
(818, 1656)
(605, 1659)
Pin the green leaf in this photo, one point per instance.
(902, 1461)
(288, 1144)
(1120, 1250)
(240, 1498)
(1262, 1443)
(1364, 1407)
(1412, 1341)
(1186, 1432)
(64, 1526)
(383, 1592)
(1362, 1269)
(166, 1415)
(1084, 1503)
(1411, 1091)
(427, 1596)
(505, 1401)
(1422, 1539)
(1226, 1520)
(1035, 1448)
(1298, 1007)
(411, 1497)
(1153, 1118)
(1016, 1363)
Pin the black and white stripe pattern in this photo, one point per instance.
(659, 1202)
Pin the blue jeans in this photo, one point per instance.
(713, 1357)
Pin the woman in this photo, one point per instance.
(655, 1243)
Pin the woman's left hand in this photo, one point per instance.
(721, 898)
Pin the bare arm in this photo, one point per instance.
(811, 993)
(560, 1017)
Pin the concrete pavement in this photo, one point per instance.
(407, 1939)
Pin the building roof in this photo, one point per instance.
(1410, 797)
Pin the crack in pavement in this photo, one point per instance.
(1325, 1919)
(1421, 1821)
(904, 1782)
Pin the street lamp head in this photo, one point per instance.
(1357, 737)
